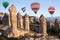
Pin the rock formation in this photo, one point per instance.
(50, 24)
(27, 26)
(42, 25)
(5, 20)
(56, 24)
(19, 21)
(13, 18)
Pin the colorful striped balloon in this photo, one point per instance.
(35, 7)
(51, 10)
(23, 9)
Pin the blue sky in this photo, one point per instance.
(44, 5)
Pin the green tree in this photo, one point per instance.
(2, 38)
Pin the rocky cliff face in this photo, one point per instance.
(16, 28)
(42, 25)
(19, 21)
(5, 20)
(27, 27)
(13, 18)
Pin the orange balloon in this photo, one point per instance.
(35, 7)
(51, 10)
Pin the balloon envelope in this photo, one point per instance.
(5, 4)
(35, 7)
(51, 10)
(23, 9)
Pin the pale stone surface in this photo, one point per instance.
(5, 20)
(27, 26)
(19, 21)
(42, 25)
(13, 18)
(9, 20)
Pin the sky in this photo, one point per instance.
(44, 5)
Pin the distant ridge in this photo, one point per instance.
(53, 18)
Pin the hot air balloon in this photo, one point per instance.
(51, 10)
(5, 4)
(23, 9)
(35, 7)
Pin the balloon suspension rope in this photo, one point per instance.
(51, 15)
(35, 17)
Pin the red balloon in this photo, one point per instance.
(51, 10)
(35, 7)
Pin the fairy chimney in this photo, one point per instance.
(19, 21)
(26, 20)
(42, 25)
(13, 18)
(5, 20)
(56, 24)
